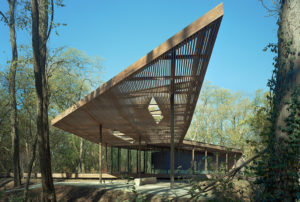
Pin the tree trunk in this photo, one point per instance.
(12, 95)
(30, 168)
(39, 13)
(81, 157)
(288, 78)
(288, 31)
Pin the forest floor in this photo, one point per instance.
(120, 190)
(91, 190)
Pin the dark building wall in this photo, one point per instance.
(161, 161)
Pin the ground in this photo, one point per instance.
(91, 190)
(116, 190)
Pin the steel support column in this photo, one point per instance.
(119, 161)
(172, 120)
(128, 160)
(100, 153)
(140, 158)
(205, 163)
(145, 161)
(111, 160)
(178, 159)
(193, 160)
(137, 162)
(106, 163)
(217, 162)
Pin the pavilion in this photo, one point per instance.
(151, 103)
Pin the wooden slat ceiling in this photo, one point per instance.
(122, 103)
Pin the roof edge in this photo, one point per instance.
(188, 31)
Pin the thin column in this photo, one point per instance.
(205, 163)
(106, 157)
(217, 162)
(137, 162)
(226, 162)
(128, 160)
(140, 157)
(111, 160)
(151, 168)
(145, 161)
(193, 160)
(100, 153)
(178, 159)
(119, 152)
(172, 121)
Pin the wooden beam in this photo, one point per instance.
(156, 78)
(179, 57)
(137, 161)
(178, 38)
(193, 160)
(128, 160)
(106, 163)
(145, 161)
(178, 155)
(100, 154)
(140, 157)
(217, 162)
(210, 147)
(173, 64)
(123, 114)
(119, 160)
(111, 159)
(203, 70)
(205, 163)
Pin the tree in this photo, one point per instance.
(5, 140)
(10, 21)
(280, 165)
(227, 118)
(40, 35)
(71, 75)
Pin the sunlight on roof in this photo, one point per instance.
(155, 111)
(122, 136)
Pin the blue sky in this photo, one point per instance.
(121, 32)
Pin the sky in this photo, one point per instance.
(122, 31)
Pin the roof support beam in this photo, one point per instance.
(100, 154)
(124, 115)
(121, 103)
(128, 160)
(172, 120)
(142, 78)
(213, 33)
(205, 163)
(217, 162)
(178, 57)
(140, 157)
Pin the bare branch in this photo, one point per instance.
(231, 173)
(51, 21)
(272, 12)
(5, 18)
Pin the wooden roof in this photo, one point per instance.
(121, 104)
(191, 144)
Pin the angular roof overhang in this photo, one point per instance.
(121, 104)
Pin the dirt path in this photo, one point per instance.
(85, 190)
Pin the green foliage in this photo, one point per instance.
(229, 119)
(278, 169)
(281, 162)
(71, 75)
